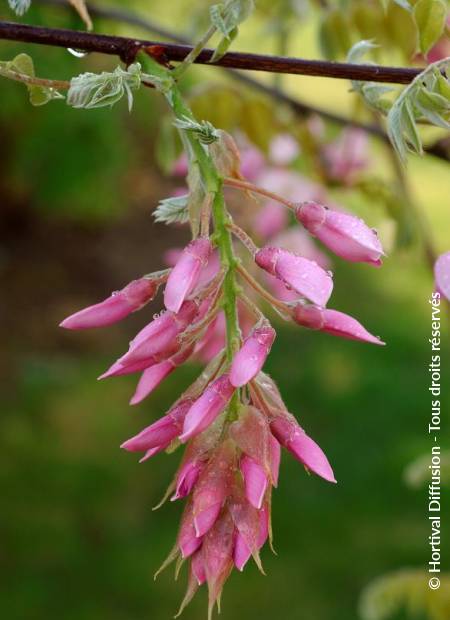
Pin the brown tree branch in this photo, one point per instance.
(122, 46)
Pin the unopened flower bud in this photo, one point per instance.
(303, 448)
(185, 275)
(251, 357)
(301, 274)
(115, 307)
(343, 233)
(206, 408)
(333, 322)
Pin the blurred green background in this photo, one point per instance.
(79, 538)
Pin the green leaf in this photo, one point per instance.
(173, 210)
(409, 126)
(430, 16)
(22, 65)
(359, 50)
(226, 17)
(96, 90)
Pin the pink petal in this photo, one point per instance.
(333, 322)
(150, 380)
(255, 481)
(251, 357)
(115, 308)
(343, 233)
(206, 408)
(185, 275)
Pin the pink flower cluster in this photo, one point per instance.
(232, 419)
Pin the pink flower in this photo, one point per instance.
(251, 357)
(346, 156)
(301, 274)
(158, 340)
(160, 432)
(300, 242)
(118, 369)
(344, 234)
(242, 551)
(303, 448)
(185, 275)
(181, 166)
(155, 374)
(283, 149)
(206, 408)
(186, 479)
(252, 435)
(116, 307)
(333, 322)
(442, 274)
(212, 488)
(255, 481)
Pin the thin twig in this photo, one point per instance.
(123, 47)
(34, 81)
(249, 187)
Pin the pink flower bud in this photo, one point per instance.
(252, 435)
(186, 479)
(333, 322)
(217, 552)
(442, 274)
(159, 338)
(212, 488)
(303, 448)
(155, 374)
(303, 275)
(344, 234)
(160, 432)
(206, 408)
(255, 481)
(252, 355)
(116, 307)
(188, 541)
(118, 369)
(242, 552)
(185, 275)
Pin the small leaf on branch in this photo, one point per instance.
(172, 210)
(430, 16)
(226, 18)
(81, 9)
(21, 68)
(19, 6)
(204, 130)
(96, 90)
(372, 92)
(426, 98)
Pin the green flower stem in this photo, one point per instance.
(213, 184)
